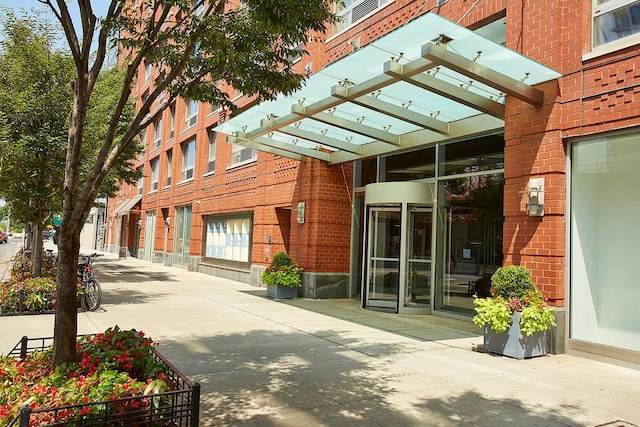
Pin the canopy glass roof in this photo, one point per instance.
(429, 81)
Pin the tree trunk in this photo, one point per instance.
(36, 255)
(66, 314)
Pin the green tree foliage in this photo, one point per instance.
(196, 49)
(35, 98)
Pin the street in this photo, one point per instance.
(7, 250)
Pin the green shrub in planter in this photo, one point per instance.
(514, 291)
(283, 271)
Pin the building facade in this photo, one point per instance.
(433, 142)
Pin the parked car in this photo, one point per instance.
(4, 237)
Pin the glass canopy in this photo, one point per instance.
(429, 81)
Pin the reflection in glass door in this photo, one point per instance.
(418, 277)
(383, 275)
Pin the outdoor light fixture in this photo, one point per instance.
(535, 197)
(300, 213)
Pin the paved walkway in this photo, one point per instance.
(329, 363)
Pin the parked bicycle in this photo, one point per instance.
(91, 289)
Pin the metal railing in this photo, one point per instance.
(179, 407)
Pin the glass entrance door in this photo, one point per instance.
(417, 291)
(383, 275)
(399, 259)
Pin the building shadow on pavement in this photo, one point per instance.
(270, 378)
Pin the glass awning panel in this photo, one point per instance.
(429, 81)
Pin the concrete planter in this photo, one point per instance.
(281, 292)
(514, 343)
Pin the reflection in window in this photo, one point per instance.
(614, 20)
(476, 155)
(470, 237)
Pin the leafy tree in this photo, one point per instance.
(35, 99)
(192, 45)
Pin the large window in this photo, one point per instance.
(605, 241)
(228, 238)
(188, 159)
(614, 20)
(190, 113)
(211, 165)
(154, 173)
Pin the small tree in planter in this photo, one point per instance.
(515, 318)
(282, 277)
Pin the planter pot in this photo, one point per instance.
(281, 292)
(514, 343)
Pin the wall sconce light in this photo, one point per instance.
(535, 197)
(139, 222)
(167, 221)
(300, 213)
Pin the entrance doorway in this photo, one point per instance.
(397, 263)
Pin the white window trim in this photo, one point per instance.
(612, 46)
(356, 2)
(184, 171)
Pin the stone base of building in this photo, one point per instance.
(314, 285)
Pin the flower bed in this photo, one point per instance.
(30, 295)
(121, 380)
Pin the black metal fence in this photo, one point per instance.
(177, 408)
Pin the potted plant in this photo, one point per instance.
(516, 317)
(282, 277)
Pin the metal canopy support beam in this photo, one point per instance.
(350, 125)
(266, 147)
(447, 90)
(314, 137)
(462, 129)
(395, 111)
(473, 70)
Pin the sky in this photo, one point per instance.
(99, 6)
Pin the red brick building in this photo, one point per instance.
(433, 142)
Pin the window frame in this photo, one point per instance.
(608, 7)
(190, 113)
(211, 159)
(155, 169)
(188, 161)
(169, 158)
(245, 240)
(157, 133)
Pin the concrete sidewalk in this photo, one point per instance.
(329, 363)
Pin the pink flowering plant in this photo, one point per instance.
(283, 271)
(112, 366)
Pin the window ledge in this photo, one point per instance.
(152, 192)
(186, 181)
(208, 174)
(612, 47)
(241, 164)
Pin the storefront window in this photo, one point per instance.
(605, 241)
(228, 238)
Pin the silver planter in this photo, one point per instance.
(515, 343)
(281, 292)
